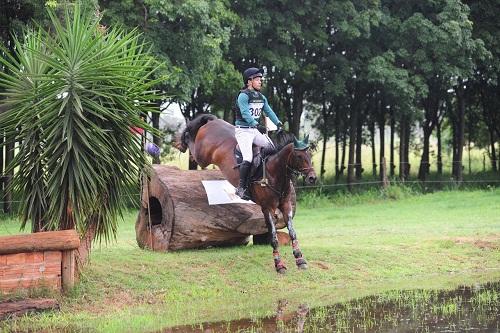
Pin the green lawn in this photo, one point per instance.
(354, 249)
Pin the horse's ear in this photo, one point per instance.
(306, 139)
(295, 142)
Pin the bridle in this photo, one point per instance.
(303, 171)
(292, 172)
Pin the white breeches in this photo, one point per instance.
(248, 136)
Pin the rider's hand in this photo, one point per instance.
(262, 128)
(279, 125)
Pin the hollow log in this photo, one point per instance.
(175, 213)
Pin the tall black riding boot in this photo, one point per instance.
(242, 190)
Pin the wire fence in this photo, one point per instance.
(133, 197)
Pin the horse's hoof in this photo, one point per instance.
(302, 267)
(281, 270)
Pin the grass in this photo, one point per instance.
(363, 245)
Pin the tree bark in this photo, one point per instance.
(439, 149)
(352, 144)
(460, 137)
(407, 149)
(402, 140)
(323, 153)
(344, 149)
(297, 107)
(7, 195)
(337, 150)
(392, 166)
(374, 154)
(359, 145)
(493, 154)
(381, 124)
(424, 161)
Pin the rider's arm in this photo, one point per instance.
(245, 109)
(270, 113)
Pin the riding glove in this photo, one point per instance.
(262, 128)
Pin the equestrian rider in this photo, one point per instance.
(250, 104)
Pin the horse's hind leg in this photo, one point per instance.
(278, 262)
(299, 259)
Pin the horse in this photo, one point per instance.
(212, 141)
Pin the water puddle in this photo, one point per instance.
(466, 309)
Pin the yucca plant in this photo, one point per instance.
(73, 92)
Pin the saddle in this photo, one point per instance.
(256, 168)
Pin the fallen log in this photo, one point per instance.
(175, 213)
(19, 308)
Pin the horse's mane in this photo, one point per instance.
(192, 127)
(280, 140)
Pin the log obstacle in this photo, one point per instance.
(175, 213)
(39, 260)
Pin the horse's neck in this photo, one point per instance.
(278, 162)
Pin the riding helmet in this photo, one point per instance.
(252, 72)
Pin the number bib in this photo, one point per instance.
(256, 108)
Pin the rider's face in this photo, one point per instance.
(256, 83)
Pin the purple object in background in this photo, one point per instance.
(152, 149)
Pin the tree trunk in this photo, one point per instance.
(493, 154)
(297, 106)
(175, 213)
(323, 153)
(352, 144)
(402, 140)
(344, 149)
(460, 93)
(407, 149)
(392, 166)
(83, 251)
(359, 144)
(382, 134)
(469, 146)
(424, 161)
(374, 155)
(337, 150)
(7, 195)
(439, 150)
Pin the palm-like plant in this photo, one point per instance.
(73, 93)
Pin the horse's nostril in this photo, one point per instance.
(312, 180)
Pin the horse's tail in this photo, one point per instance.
(189, 133)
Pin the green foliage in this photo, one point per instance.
(73, 93)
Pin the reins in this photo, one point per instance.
(289, 173)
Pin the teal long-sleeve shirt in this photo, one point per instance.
(251, 117)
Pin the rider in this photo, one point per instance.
(250, 104)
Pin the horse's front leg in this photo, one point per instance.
(301, 262)
(271, 227)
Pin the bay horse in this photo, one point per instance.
(212, 141)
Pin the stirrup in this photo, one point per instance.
(243, 193)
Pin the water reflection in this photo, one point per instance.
(467, 309)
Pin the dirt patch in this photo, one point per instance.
(320, 264)
(490, 242)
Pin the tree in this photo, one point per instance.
(73, 93)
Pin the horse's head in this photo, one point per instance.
(300, 160)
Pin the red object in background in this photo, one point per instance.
(137, 130)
